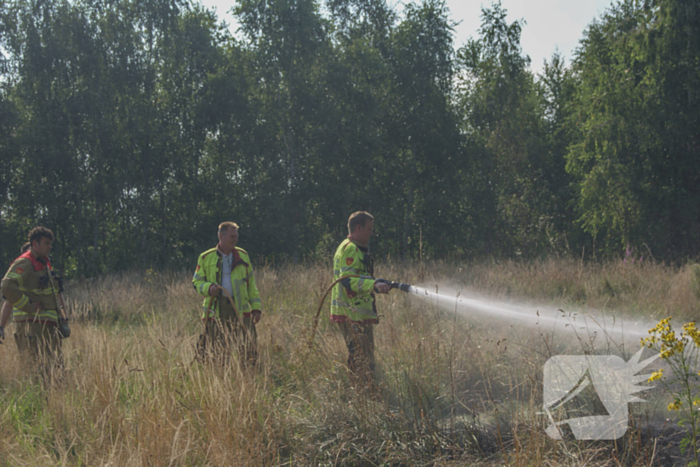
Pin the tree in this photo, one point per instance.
(636, 116)
(505, 115)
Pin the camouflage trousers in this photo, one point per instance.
(359, 339)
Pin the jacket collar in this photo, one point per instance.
(39, 264)
(363, 249)
(236, 256)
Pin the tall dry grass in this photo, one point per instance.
(455, 390)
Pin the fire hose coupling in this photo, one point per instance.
(395, 285)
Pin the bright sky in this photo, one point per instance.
(551, 24)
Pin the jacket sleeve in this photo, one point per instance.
(11, 283)
(199, 280)
(253, 294)
(349, 264)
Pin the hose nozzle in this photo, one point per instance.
(396, 285)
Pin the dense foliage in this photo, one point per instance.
(132, 128)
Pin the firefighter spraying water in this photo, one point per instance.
(353, 300)
(392, 285)
(353, 306)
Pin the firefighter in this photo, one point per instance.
(228, 268)
(33, 291)
(353, 305)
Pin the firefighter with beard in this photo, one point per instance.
(34, 292)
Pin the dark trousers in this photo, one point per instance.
(231, 331)
(39, 345)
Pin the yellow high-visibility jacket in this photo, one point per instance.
(245, 292)
(29, 280)
(353, 298)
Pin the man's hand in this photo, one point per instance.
(256, 316)
(381, 287)
(2, 334)
(214, 290)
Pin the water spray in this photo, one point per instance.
(393, 285)
(548, 318)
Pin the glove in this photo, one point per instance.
(2, 334)
(63, 329)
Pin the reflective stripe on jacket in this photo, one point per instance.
(28, 281)
(353, 298)
(245, 292)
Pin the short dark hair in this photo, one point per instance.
(358, 218)
(25, 248)
(37, 233)
(224, 226)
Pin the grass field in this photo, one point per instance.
(456, 390)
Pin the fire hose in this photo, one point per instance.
(392, 285)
